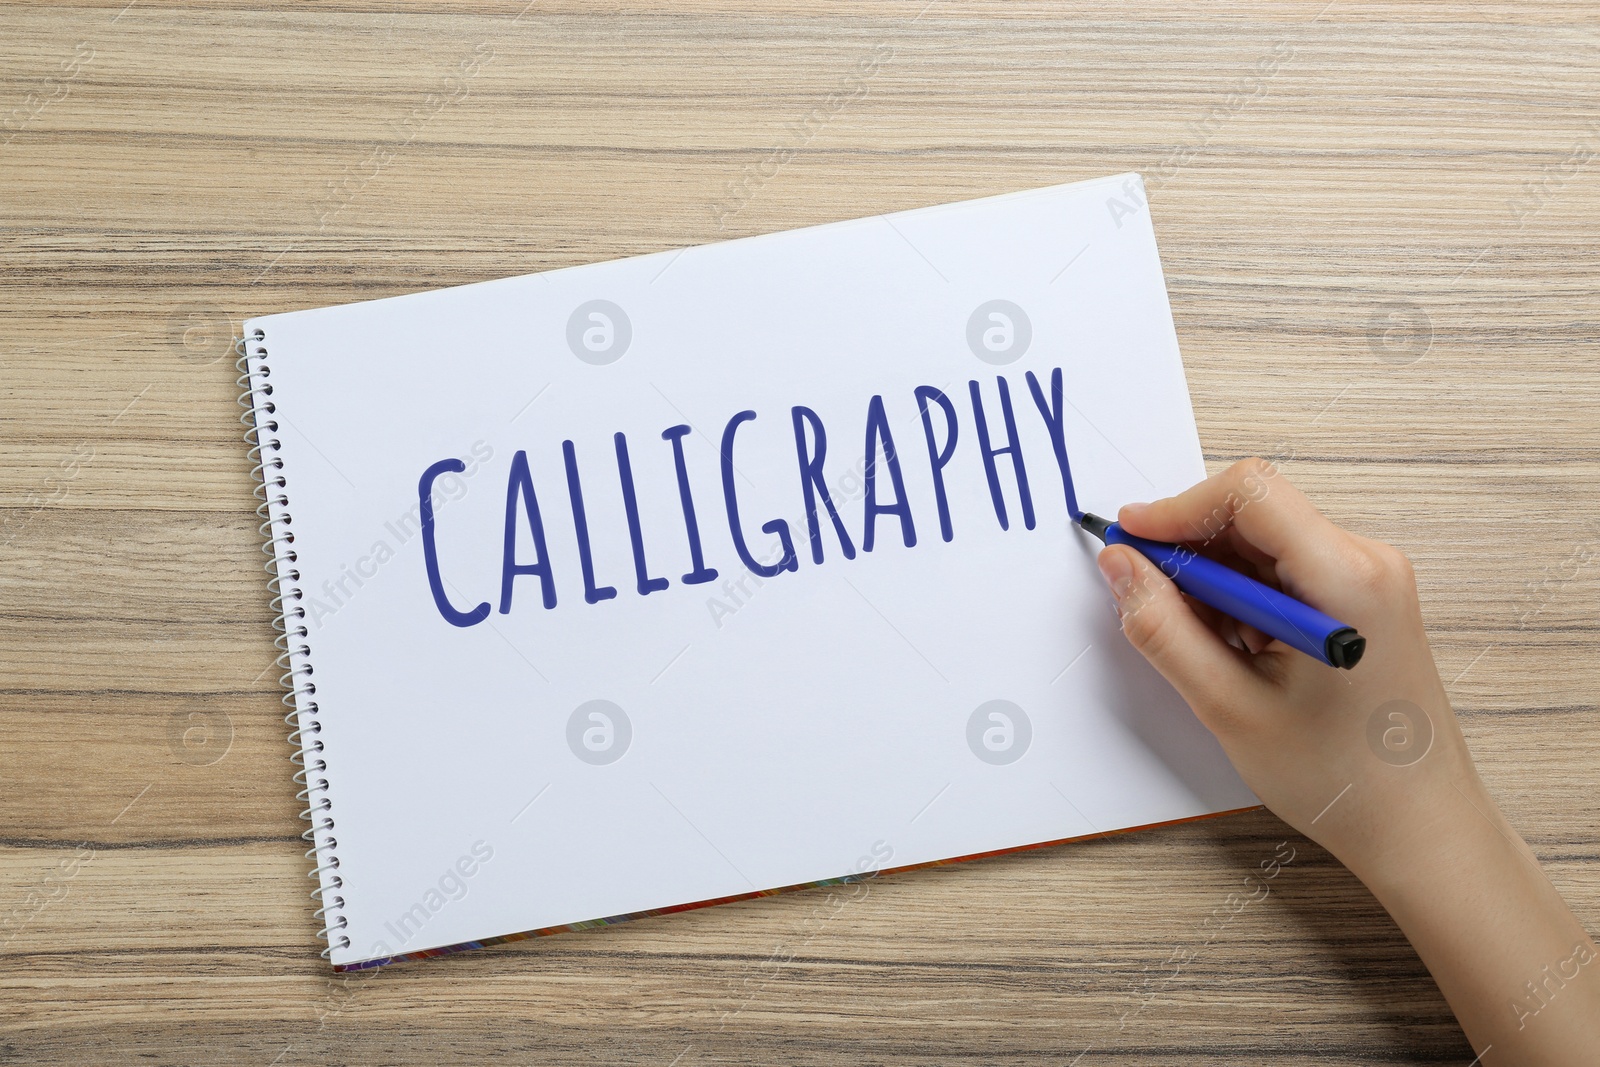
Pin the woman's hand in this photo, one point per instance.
(1369, 762)
(1378, 744)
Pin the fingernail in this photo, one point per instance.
(1118, 573)
(1133, 511)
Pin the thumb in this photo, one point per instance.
(1207, 672)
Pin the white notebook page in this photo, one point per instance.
(545, 766)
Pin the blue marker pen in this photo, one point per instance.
(1273, 613)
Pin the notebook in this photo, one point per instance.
(628, 588)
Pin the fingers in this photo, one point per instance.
(1237, 634)
(1205, 670)
(1251, 496)
(1254, 640)
(1262, 566)
(1253, 508)
(1225, 552)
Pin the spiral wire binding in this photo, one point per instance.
(294, 658)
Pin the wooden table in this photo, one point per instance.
(1379, 223)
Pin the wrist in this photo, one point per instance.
(1408, 835)
(1469, 895)
(1456, 833)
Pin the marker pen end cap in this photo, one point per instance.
(1344, 647)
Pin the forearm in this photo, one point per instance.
(1518, 969)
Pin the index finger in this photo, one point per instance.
(1254, 498)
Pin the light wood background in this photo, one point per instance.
(1383, 263)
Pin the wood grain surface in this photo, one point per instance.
(1380, 226)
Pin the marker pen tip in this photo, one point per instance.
(1094, 524)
